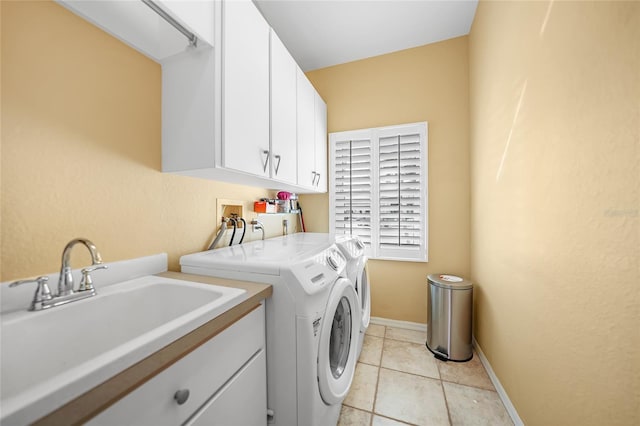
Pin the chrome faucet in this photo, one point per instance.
(43, 299)
(65, 282)
(256, 224)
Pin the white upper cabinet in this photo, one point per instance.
(320, 140)
(283, 113)
(245, 88)
(138, 25)
(306, 131)
(236, 108)
(312, 136)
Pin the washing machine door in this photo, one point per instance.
(338, 345)
(364, 294)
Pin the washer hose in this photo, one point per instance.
(223, 228)
(235, 226)
(244, 229)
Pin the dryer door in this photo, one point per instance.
(364, 294)
(338, 345)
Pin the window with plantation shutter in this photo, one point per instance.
(379, 189)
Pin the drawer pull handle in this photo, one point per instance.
(181, 396)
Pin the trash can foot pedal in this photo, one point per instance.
(438, 352)
(440, 357)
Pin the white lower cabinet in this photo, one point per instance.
(223, 382)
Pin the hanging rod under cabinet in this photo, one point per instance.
(193, 40)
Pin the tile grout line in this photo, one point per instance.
(446, 401)
(468, 386)
(396, 420)
(375, 394)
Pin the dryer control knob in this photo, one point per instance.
(332, 262)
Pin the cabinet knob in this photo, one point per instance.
(181, 396)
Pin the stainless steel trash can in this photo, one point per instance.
(449, 331)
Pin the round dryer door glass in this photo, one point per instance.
(340, 339)
(338, 344)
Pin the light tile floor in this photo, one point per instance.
(399, 382)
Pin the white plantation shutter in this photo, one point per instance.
(351, 188)
(379, 189)
(402, 195)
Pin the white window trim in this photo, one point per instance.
(374, 251)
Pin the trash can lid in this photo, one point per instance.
(449, 281)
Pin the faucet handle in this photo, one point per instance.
(86, 284)
(42, 290)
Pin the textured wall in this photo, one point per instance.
(428, 83)
(555, 172)
(81, 150)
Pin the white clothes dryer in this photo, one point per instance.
(313, 321)
(354, 251)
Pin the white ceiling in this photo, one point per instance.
(321, 33)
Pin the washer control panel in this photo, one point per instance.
(321, 270)
(352, 246)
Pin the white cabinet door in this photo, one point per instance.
(283, 112)
(241, 402)
(312, 136)
(245, 88)
(320, 141)
(306, 131)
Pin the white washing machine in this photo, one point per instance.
(356, 271)
(313, 321)
(354, 251)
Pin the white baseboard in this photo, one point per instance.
(485, 362)
(400, 324)
(517, 421)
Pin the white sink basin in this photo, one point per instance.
(50, 357)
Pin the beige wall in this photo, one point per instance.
(555, 172)
(428, 83)
(81, 150)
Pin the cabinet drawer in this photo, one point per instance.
(241, 402)
(202, 373)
